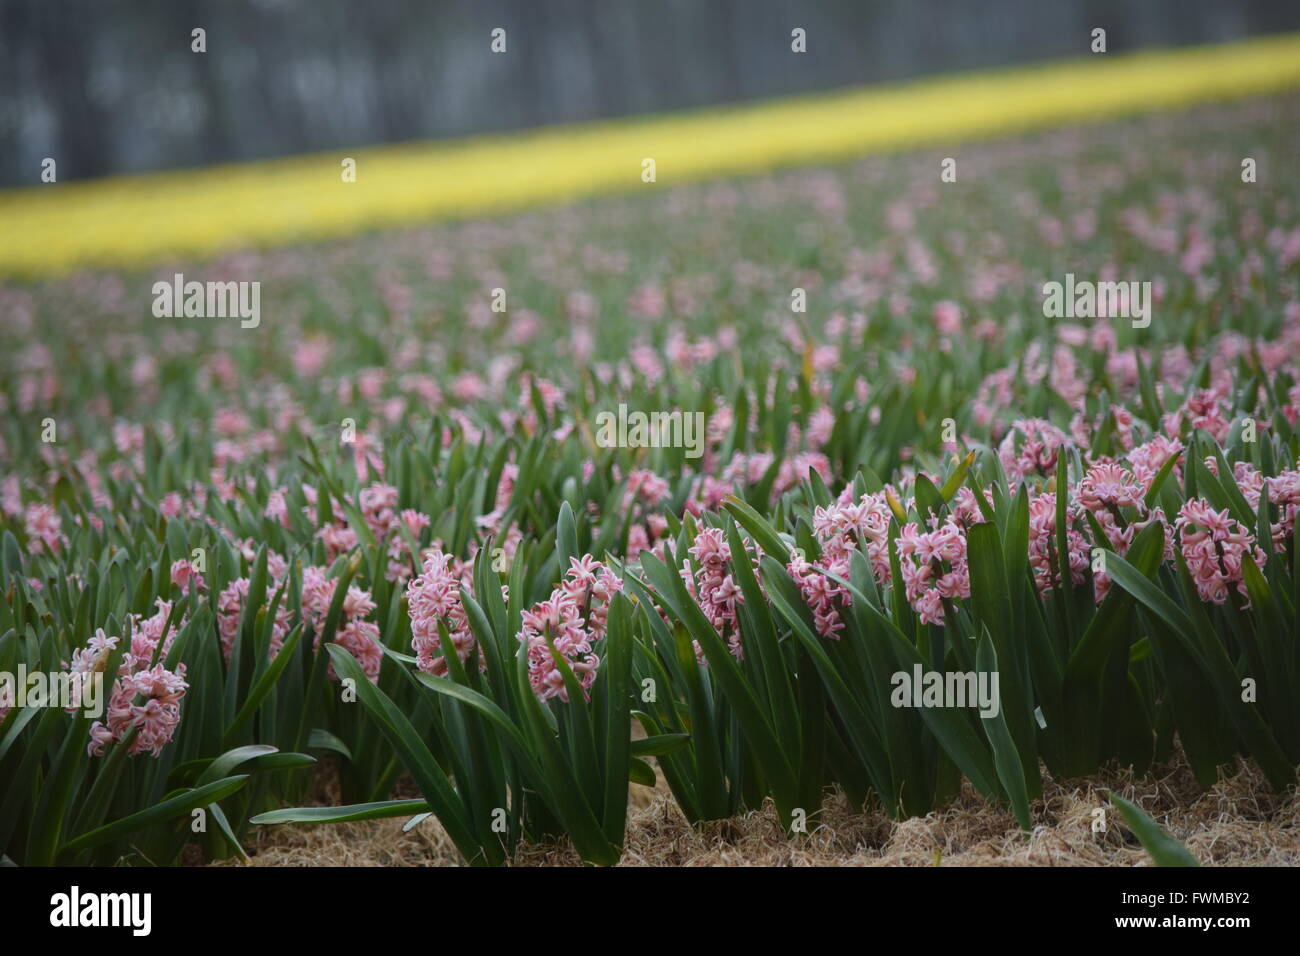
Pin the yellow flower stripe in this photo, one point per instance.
(137, 220)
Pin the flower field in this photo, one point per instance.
(388, 527)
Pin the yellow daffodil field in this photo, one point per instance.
(133, 221)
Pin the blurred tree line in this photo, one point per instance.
(109, 86)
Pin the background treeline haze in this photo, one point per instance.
(109, 86)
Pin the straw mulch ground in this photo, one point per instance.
(1238, 822)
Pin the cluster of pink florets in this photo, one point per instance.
(1044, 561)
(1108, 486)
(571, 619)
(850, 525)
(144, 699)
(433, 604)
(749, 469)
(934, 569)
(353, 632)
(1214, 547)
(841, 528)
(88, 661)
(183, 575)
(149, 633)
(43, 527)
(1104, 491)
(713, 588)
(825, 597)
(643, 500)
(1035, 453)
(154, 716)
(1283, 492)
(230, 607)
(491, 524)
(1148, 458)
(337, 535)
(378, 505)
(1205, 409)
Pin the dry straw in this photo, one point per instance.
(1238, 822)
